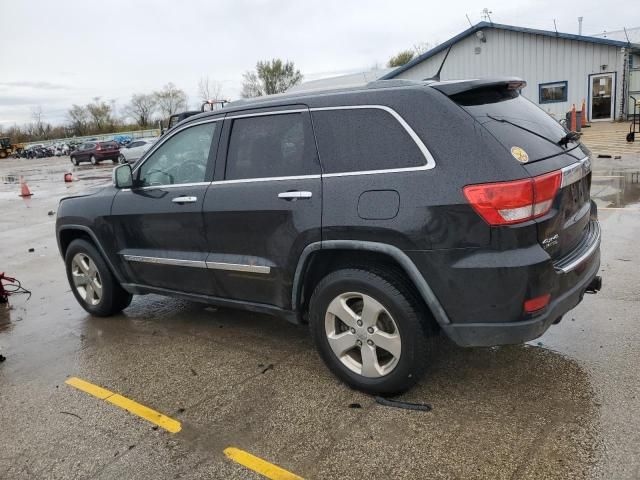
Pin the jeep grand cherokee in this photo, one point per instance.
(378, 215)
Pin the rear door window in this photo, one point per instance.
(266, 146)
(352, 140)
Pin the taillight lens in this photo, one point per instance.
(505, 203)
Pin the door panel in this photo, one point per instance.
(158, 225)
(265, 207)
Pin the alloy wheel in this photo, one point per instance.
(86, 278)
(363, 335)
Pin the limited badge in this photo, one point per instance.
(519, 154)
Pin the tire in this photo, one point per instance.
(399, 326)
(121, 160)
(82, 260)
(3, 154)
(94, 161)
(75, 161)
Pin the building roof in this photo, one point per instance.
(342, 81)
(498, 26)
(633, 34)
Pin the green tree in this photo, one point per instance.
(270, 77)
(405, 56)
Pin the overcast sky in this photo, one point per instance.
(56, 53)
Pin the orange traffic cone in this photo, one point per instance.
(574, 124)
(68, 177)
(24, 188)
(584, 114)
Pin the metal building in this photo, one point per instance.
(560, 69)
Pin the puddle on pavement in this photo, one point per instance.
(616, 188)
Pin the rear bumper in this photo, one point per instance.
(505, 333)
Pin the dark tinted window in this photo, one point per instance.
(271, 146)
(515, 121)
(363, 139)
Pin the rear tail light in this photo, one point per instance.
(505, 203)
(538, 303)
(98, 147)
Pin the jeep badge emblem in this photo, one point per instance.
(519, 154)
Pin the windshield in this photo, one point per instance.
(516, 122)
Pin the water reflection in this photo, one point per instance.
(616, 188)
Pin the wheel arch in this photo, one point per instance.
(69, 233)
(307, 274)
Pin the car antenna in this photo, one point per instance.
(436, 77)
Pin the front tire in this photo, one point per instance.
(94, 161)
(369, 330)
(121, 159)
(91, 281)
(75, 161)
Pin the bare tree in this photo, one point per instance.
(38, 125)
(79, 119)
(100, 114)
(141, 108)
(270, 77)
(209, 89)
(170, 100)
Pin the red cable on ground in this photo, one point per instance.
(14, 286)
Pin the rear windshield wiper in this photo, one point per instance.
(569, 137)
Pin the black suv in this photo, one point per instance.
(378, 215)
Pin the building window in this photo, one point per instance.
(553, 92)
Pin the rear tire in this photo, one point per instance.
(91, 281)
(94, 161)
(122, 160)
(368, 328)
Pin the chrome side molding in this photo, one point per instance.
(235, 267)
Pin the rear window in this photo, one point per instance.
(363, 139)
(109, 144)
(515, 121)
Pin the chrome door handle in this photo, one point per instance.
(295, 195)
(185, 200)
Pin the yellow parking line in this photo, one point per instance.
(258, 465)
(157, 418)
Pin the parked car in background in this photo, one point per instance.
(96, 152)
(133, 151)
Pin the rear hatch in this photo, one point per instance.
(108, 147)
(539, 143)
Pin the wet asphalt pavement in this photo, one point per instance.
(564, 406)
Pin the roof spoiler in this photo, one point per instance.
(454, 87)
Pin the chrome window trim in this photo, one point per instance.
(266, 179)
(235, 267)
(169, 135)
(430, 161)
(575, 172)
(270, 112)
(177, 185)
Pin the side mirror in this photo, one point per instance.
(123, 176)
